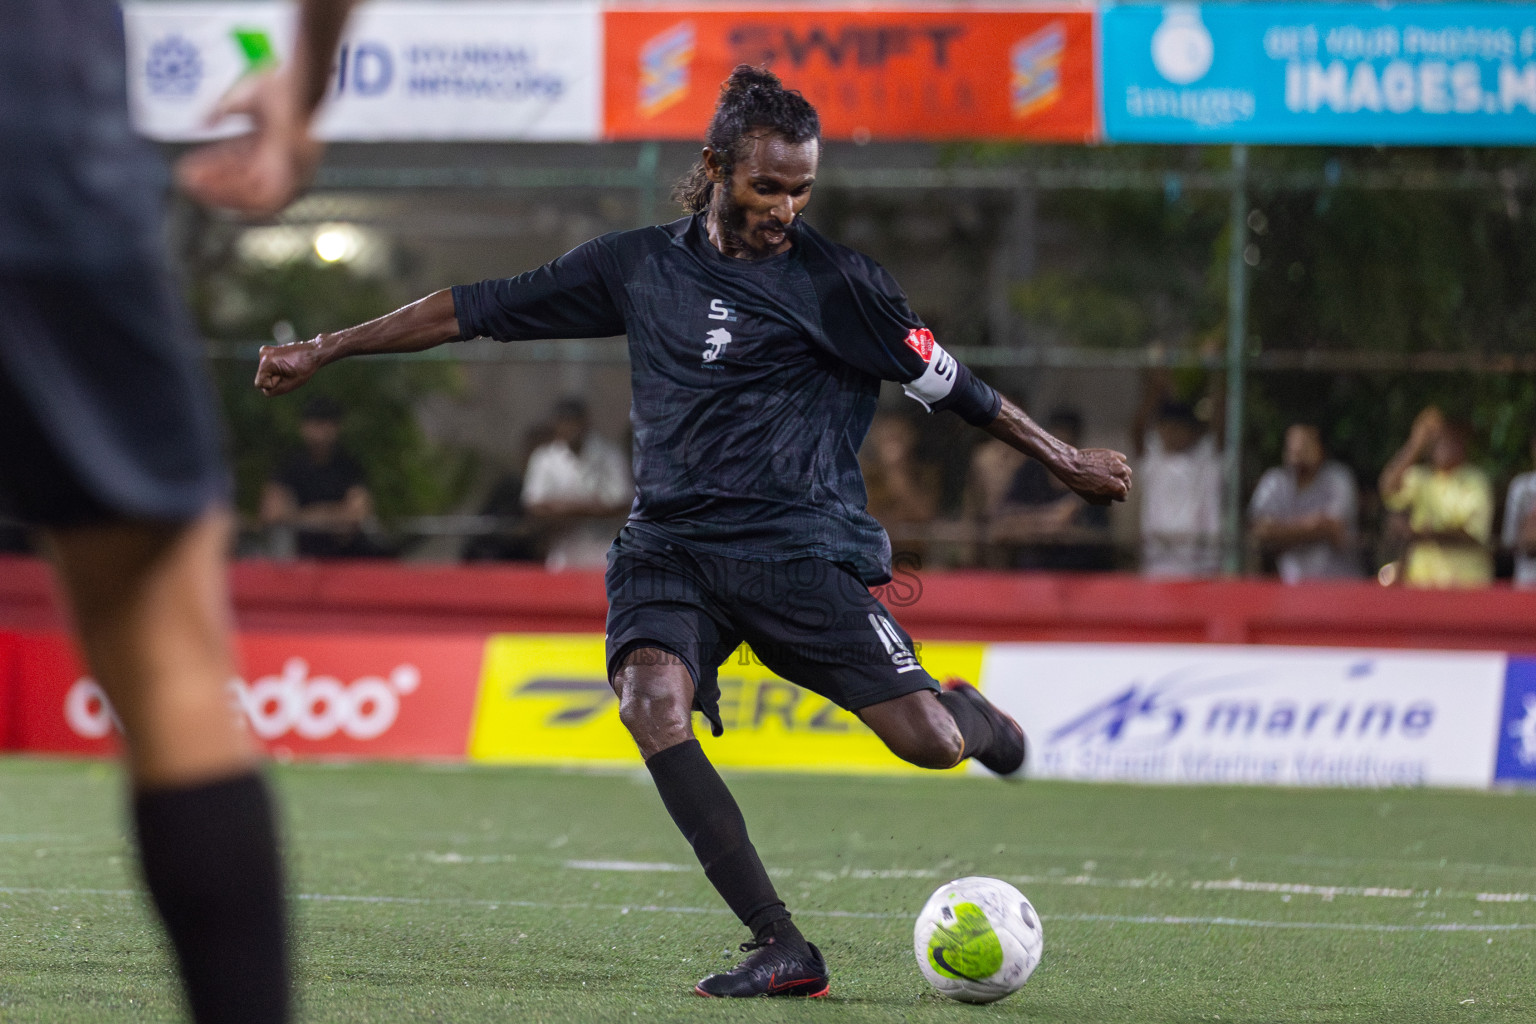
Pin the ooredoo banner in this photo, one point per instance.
(458, 69)
(892, 72)
(7, 690)
(1344, 73)
(300, 695)
(1254, 716)
(545, 699)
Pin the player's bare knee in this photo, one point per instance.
(936, 748)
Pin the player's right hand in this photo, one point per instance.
(1099, 475)
(285, 367)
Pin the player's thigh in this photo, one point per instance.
(665, 634)
(816, 625)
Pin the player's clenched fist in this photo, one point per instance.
(285, 367)
(1099, 475)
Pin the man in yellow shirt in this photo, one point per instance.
(1449, 505)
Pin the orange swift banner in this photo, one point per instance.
(873, 73)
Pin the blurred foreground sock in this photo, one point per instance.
(210, 859)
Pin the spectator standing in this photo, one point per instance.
(321, 494)
(579, 484)
(1449, 505)
(1305, 511)
(1180, 470)
(1520, 524)
(1043, 524)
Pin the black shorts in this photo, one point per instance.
(807, 619)
(106, 410)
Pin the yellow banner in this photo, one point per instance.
(545, 699)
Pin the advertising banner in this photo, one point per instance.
(1517, 725)
(894, 72)
(404, 71)
(545, 699)
(1250, 715)
(300, 695)
(1339, 73)
(8, 690)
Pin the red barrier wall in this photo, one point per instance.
(386, 597)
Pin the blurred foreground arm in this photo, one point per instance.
(259, 173)
(1099, 475)
(425, 323)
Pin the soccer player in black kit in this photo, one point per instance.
(109, 445)
(757, 348)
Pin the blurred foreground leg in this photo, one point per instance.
(151, 610)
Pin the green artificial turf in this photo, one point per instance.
(495, 894)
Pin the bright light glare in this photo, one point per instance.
(338, 244)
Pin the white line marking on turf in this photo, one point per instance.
(1335, 926)
(624, 865)
(1204, 922)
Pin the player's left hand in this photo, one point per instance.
(1099, 475)
(259, 173)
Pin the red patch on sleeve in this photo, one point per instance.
(920, 340)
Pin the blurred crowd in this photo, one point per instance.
(1432, 518)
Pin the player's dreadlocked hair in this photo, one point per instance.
(751, 99)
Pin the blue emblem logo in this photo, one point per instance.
(1517, 725)
(174, 68)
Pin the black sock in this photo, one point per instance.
(975, 728)
(707, 815)
(209, 855)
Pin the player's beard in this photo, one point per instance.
(733, 225)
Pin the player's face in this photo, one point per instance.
(768, 187)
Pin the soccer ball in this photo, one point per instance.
(977, 939)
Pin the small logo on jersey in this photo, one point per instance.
(716, 339)
(901, 655)
(665, 63)
(920, 340)
(174, 67)
(718, 310)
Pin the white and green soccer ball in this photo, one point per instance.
(978, 939)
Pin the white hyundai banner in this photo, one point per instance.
(1284, 716)
(404, 71)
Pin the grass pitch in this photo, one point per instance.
(489, 894)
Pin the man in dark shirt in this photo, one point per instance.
(109, 446)
(1043, 523)
(757, 348)
(321, 493)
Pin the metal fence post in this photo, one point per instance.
(1237, 354)
(646, 165)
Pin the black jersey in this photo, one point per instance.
(78, 189)
(754, 380)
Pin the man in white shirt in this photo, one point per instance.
(1520, 524)
(1181, 505)
(1305, 511)
(579, 484)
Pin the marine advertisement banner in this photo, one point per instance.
(1288, 716)
(301, 695)
(459, 69)
(1516, 759)
(544, 699)
(874, 73)
(1341, 73)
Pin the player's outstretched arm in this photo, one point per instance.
(425, 323)
(1097, 474)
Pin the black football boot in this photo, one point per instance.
(772, 969)
(1005, 754)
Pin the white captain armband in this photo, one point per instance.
(946, 384)
(938, 377)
